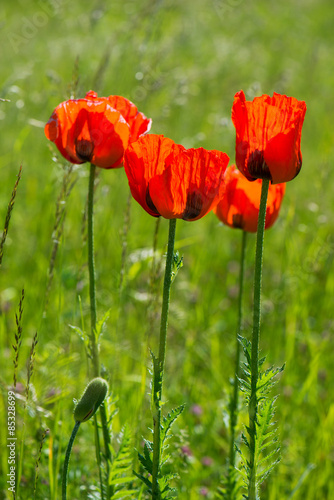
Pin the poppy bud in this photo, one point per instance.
(91, 399)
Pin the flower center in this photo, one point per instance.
(84, 149)
(194, 206)
(257, 167)
(238, 221)
(150, 203)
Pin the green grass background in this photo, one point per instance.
(181, 63)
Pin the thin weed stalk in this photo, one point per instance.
(154, 275)
(30, 371)
(38, 460)
(235, 394)
(9, 214)
(18, 338)
(66, 189)
(124, 243)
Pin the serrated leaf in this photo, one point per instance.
(80, 333)
(120, 468)
(168, 421)
(177, 264)
(147, 465)
(144, 479)
(100, 324)
(124, 494)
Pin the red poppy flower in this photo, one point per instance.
(139, 124)
(169, 180)
(268, 136)
(239, 207)
(95, 129)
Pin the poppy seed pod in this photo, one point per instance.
(91, 399)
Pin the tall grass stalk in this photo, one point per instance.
(61, 207)
(9, 214)
(39, 456)
(124, 243)
(159, 366)
(18, 338)
(30, 371)
(253, 401)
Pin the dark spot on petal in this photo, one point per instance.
(257, 167)
(84, 149)
(194, 206)
(299, 163)
(238, 221)
(150, 203)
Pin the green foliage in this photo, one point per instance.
(121, 479)
(177, 264)
(180, 63)
(145, 458)
(265, 437)
(231, 486)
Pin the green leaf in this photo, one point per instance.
(176, 265)
(168, 421)
(146, 481)
(100, 324)
(120, 474)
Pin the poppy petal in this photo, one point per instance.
(142, 161)
(138, 123)
(89, 130)
(268, 136)
(191, 184)
(239, 207)
(169, 180)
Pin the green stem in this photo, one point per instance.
(91, 268)
(253, 402)
(98, 454)
(92, 293)
(159, 366)
(235, 394)
(67, 459)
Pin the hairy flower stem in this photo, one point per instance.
(92, 293)
(235, 394)
(253, 402)
(91, 268)
(67, 459)
(159, 366)
(98, 454)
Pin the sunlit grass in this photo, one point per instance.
(181, 63)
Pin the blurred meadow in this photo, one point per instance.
(181, 63)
